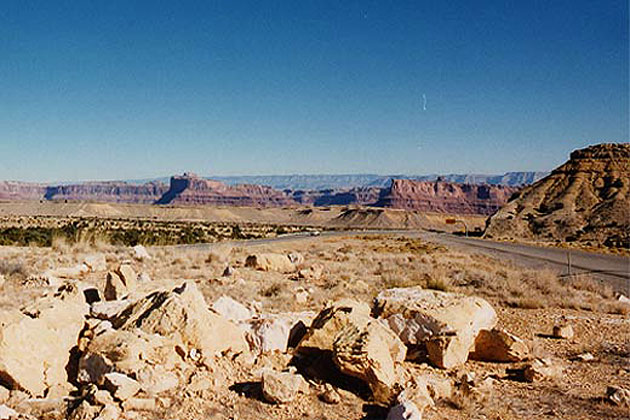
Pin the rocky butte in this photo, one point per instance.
(584, 200)
(115, 192)
(191, 189)
(445, 197)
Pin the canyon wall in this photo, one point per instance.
(445, 197)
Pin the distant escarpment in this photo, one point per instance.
(191, 189)
(364, 196)
(445, 197)
(585, 200)
(344, 182)
(15, 190)
(112, 192)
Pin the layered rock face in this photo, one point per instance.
(363, 196)
(191, 189)
(584, 200)
(14, 190)
(115, 192)
(444, 197)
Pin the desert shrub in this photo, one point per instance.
(587, 283)
(26, 236)
(271, 291)
(438, 281)
(13, 269)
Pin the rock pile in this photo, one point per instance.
(130, 351)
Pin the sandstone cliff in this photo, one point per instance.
(113, 192)
(191, 189)
(14, 190)
(363, 196)
(445, 197)
(585, 200)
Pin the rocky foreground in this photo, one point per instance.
(129, 347)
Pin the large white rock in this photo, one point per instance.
(498, 345)
(360, 346)
(35, 344)
(231, 309)
(74, 272)
(274, 331)
(447, 323)
(128, 352)
(324, 329)
(182, 314)
(270, 262)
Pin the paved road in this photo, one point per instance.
(612, 269)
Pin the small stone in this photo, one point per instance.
(228, 272)
(330, 395)
(140, 253)
(2, 280)
(121, 386)
(618, 396)
(296, 257)
(564, 331)
(281, 387)
(144, 278)
(584, 357)
(541, 369)
(301, 296)
(623, 299)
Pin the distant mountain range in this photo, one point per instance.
(460, 194)
(324, 182)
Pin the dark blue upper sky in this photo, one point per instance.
(131, 89)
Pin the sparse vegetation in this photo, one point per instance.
(48, 232)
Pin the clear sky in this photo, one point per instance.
(123, 89)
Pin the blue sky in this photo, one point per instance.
(133, 89)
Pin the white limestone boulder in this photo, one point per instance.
(447, 323)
